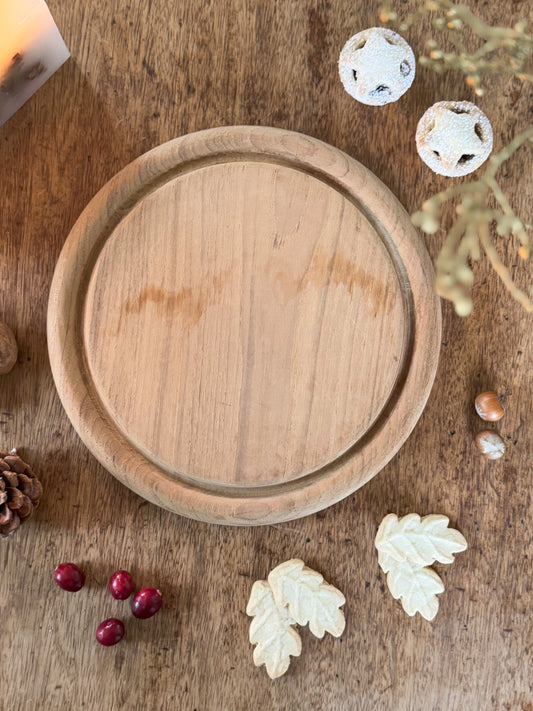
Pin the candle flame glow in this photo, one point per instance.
(21, 22)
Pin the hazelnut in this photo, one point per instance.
(488, 407)
(8, 349)
(490, 444)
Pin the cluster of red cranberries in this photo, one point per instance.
(145, 603)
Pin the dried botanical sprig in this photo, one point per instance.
(502, 50)
(470, 234)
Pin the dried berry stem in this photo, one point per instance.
(500, 268)
(504, 50)
(454, 277)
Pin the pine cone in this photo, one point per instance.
(20, 491)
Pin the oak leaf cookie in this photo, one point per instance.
(308, 598)
(419, 540)
(272, 631)
(377, 66)
(416, 587)
(454, 138)
(405, 547)
(294, 594)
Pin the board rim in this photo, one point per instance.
(223, 504)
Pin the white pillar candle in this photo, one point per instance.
(31, 50)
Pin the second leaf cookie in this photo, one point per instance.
(294, 594)
(406, 546)
(308, 598)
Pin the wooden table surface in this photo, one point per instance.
(141, 73)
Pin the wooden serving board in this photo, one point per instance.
(242, 325)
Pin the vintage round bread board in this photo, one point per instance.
(242, 325)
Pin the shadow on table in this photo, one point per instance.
(55, 154)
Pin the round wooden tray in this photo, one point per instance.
(242, 325)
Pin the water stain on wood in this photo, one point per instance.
(188, 303)
(327, 271)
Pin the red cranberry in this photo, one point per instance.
(110, 632)
(121, 585)
(146, 603)
(69, 577)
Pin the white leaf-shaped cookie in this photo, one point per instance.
(387, 562)
(308, 598)
(421, 541)
(416, 587)
(271, 630)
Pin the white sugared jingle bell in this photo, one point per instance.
(377, 66)
(454, 138)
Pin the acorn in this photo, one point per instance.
(489, 407)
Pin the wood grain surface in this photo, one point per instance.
(143, 73)
(292, 324)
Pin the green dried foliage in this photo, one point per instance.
(507, 51)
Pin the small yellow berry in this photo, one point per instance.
(430, 225)
(464, 307)
(431, 206)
